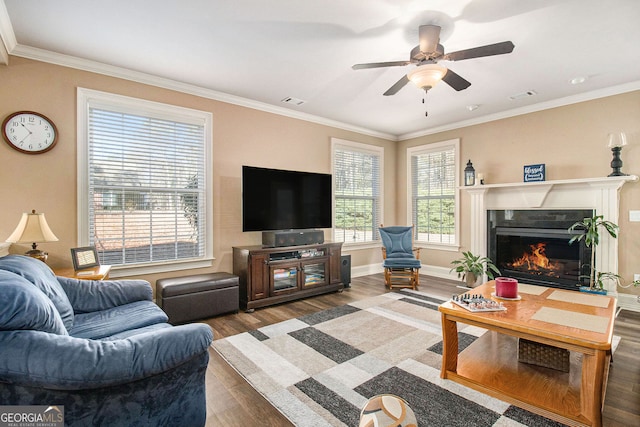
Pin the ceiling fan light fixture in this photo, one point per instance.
(426, 76)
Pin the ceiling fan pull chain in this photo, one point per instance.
(426, 113)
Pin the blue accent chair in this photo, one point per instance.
(401, 262)
(101, 349)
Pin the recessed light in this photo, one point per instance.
(578, 80)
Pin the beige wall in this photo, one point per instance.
(570, 140)
(47, 182)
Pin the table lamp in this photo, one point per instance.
(33, 228)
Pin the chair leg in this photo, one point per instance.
(402, 278)
(387, 278)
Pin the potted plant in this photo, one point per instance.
(591, 235)
(601, 277)
(471, 266)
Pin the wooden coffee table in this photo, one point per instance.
(581, 323)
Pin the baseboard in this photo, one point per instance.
(427, 270)
(625, 301)
(365, 270)
(629, 302)
(439, 272)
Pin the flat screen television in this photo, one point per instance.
(274, 199)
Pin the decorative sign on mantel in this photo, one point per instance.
(534, 173)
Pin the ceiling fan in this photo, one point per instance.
(426, 56)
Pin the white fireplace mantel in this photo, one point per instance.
(599, 194)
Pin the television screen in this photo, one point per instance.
(274, 199)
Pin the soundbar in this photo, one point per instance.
(281, 238)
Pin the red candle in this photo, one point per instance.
(506, 287)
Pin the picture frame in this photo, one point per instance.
(85, 257)
(534, 173)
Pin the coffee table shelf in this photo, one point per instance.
(537, 389)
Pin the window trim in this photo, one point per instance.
(363, 148)
(429, 148)
(86, 97)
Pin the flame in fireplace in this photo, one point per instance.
(535, 261)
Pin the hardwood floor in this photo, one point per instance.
(231, 401)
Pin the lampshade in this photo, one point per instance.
(426, 76)
(618, 139)
(33, 228)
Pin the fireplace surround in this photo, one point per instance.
(599, 195)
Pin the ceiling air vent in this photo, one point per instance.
(293, 101)
(523, 95)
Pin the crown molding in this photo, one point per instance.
(7, 36)
(149, 79)
(9, 46)
(4, 55)
(560, 102)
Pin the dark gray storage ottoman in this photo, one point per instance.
(199, 296)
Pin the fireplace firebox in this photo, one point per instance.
(533, 247)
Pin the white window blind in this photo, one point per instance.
(434, 192)
(146, 186)
(357, 174)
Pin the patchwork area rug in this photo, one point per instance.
(320, 369)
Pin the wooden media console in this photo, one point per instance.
(274, 275)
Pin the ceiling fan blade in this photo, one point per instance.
(429, 38)
(380, 65)
(397, 86)
(477, 52)
(455, 81)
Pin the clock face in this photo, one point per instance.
(29, 132)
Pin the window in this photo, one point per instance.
(144, 170)
(357, 177)
(433, 177)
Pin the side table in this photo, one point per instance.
(100, 272)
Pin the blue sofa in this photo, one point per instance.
(101, 349)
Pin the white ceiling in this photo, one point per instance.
(257, 52)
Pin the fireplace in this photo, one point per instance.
(599, 195)
(533, 247)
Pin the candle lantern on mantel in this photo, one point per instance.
(616, 141)
(469, 174)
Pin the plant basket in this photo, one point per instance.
(548, 356)
(470, 280)
(587, 289)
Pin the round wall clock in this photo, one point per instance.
(29, 132)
